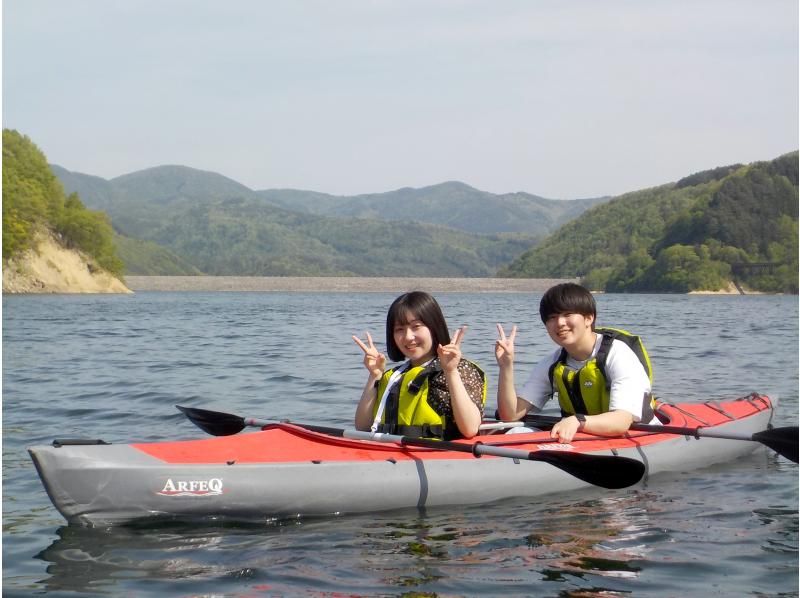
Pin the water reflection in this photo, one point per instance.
(90, 560)
(575, 546)
(593, 539)
(597, 538)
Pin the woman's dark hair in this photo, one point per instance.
(567, 298)
(421, 306)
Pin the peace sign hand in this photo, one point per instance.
(504, 346)
(450, 355)
(374, 361)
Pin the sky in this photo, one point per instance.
(559, 98)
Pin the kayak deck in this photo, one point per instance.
(289, 443)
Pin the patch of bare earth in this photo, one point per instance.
(52, 268)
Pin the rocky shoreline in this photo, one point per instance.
(336, 284)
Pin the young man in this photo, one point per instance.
(595, 397)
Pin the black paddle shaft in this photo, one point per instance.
(600, 470)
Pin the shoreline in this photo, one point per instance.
(339, 284)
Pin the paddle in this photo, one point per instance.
(781, 440)
(600, 470)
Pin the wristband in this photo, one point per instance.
(581, 421)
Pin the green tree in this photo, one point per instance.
(33, 199)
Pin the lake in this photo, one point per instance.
(113, 367)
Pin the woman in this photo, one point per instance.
(435, 393)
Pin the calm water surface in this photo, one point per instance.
(113, 367)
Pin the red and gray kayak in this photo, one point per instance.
(287, 470)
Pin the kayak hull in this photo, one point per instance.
(287, 471)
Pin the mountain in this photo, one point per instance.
(452, 204)
(735, 223)
(731, 223)
(221, 227)
(139, 256)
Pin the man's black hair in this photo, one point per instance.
(567, 297)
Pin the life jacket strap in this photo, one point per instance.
(391, 388)
(602, 357)
(427, 372)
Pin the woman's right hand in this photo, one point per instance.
(374, 361)
(504, 346)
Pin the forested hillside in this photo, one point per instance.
(221, 227)
(34, 202)
(731, 223)
(148, 258)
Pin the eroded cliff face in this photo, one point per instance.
(52, 268)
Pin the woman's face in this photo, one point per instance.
(414, 339)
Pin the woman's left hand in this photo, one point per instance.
(450, 355)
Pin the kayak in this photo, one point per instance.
(288, 470)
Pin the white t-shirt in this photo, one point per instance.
(630, 386)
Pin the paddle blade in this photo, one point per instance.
(781, 440)
(214, 422)
(600, 470)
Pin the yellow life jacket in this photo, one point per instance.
(407, 411)
(587, 390)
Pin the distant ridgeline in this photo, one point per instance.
(221, 227)
(34, 202)
(731, 224)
